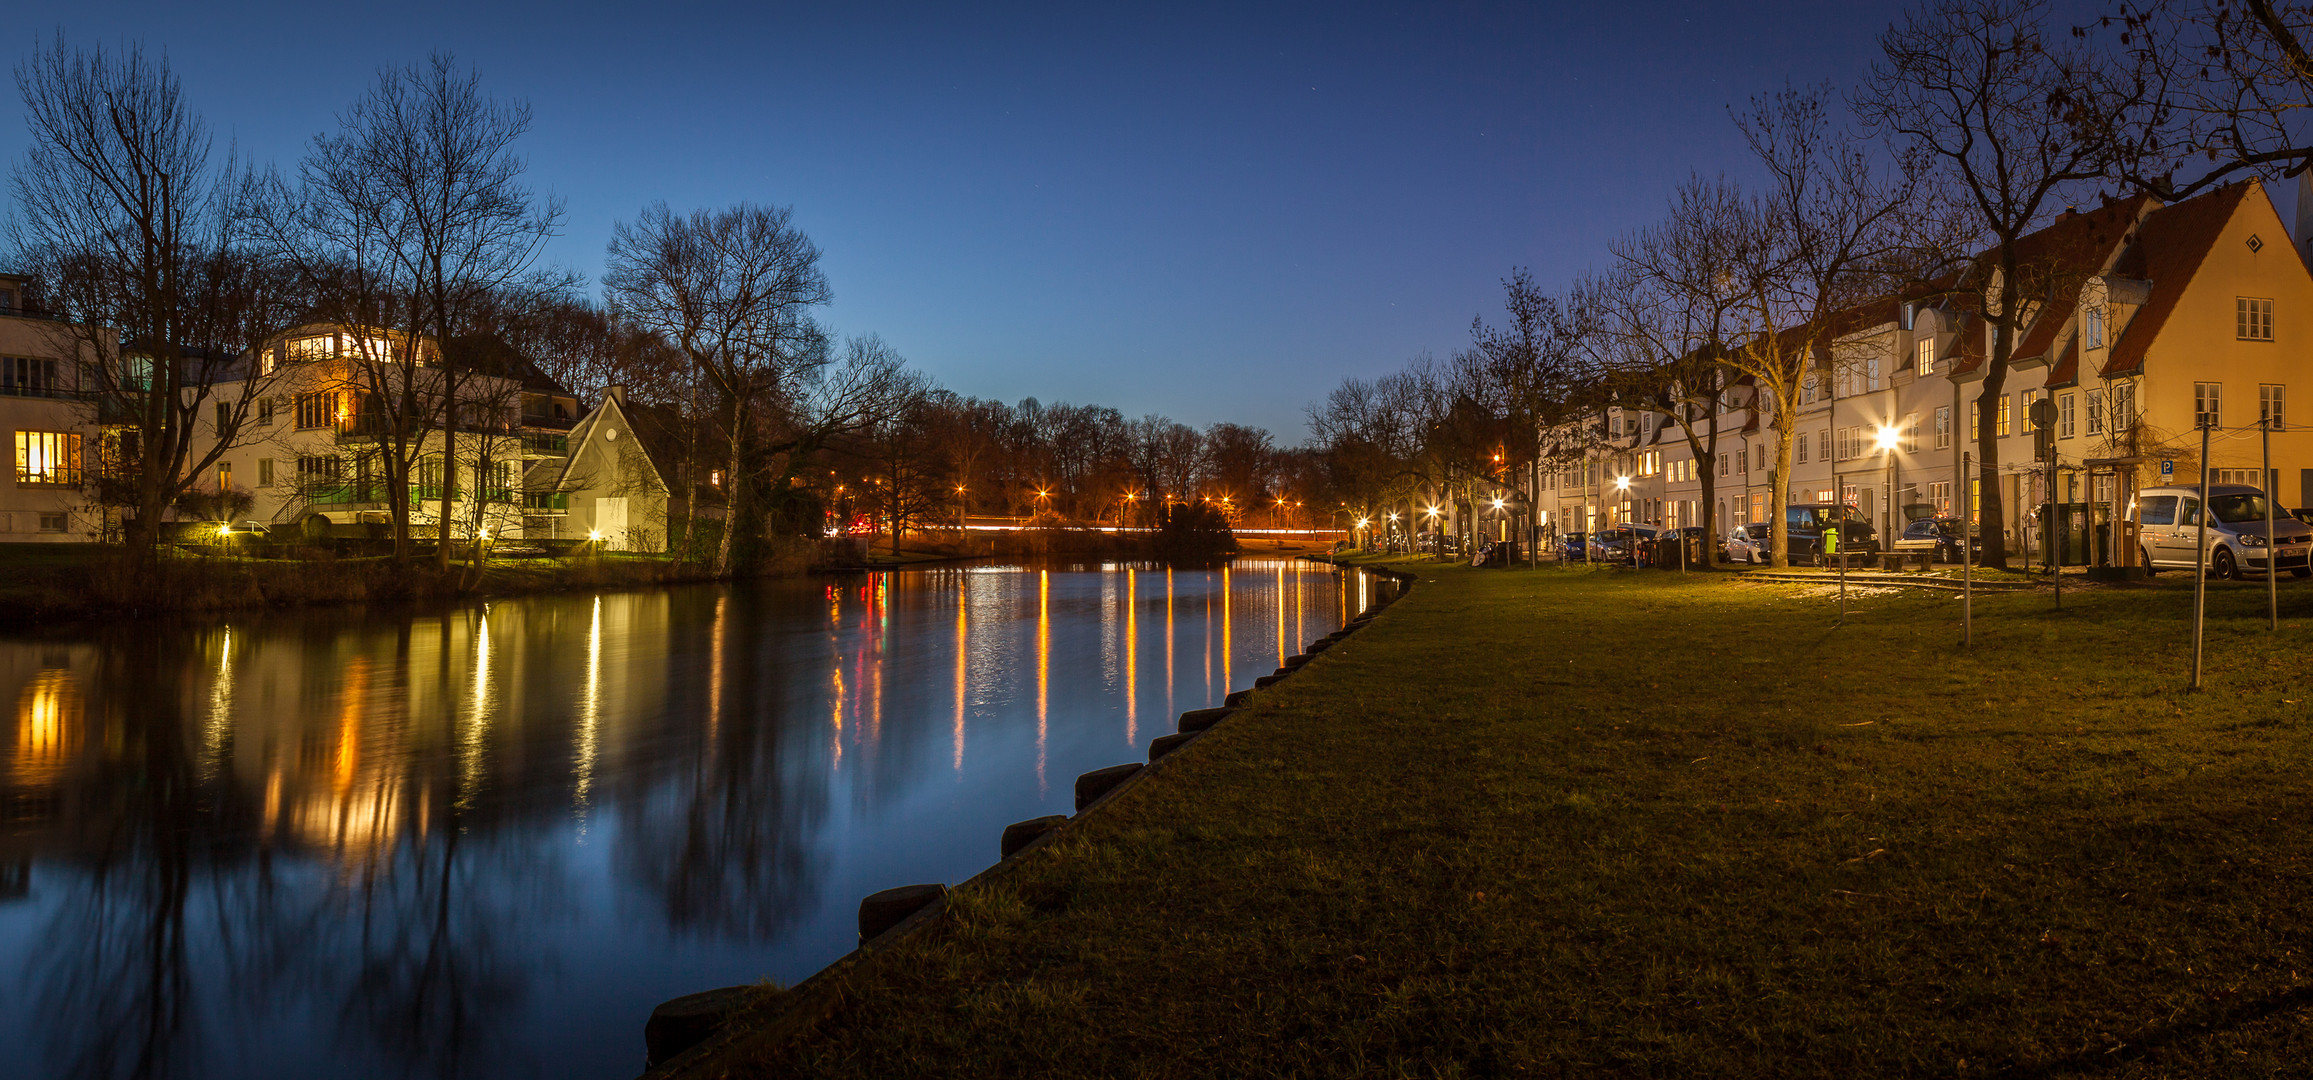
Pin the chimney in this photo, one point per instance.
(615, 392)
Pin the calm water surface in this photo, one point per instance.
(487, 842)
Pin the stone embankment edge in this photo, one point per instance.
(774, 1018)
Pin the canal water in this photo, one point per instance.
(484, 843)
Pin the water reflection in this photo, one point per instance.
(486, 841)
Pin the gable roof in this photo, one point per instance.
(2076, 245)
(2170, 247)
(595, 426)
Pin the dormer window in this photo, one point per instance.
(2092, 328)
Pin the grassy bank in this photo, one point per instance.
(1615, 823)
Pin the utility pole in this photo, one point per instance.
(2201, 558)
(1967, 552)
(2272, 556)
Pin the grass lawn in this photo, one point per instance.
(1620, 823)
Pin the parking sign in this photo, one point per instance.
(2167, 468)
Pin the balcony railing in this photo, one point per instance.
(549, 423)
(556, 445)
(57, 393)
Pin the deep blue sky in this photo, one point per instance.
(1215, 213)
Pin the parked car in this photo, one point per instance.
(1751, 543)
(1619, 544)
(2303, 513)
(1941, 538)
(2168, 521)
(1805, 522)
(1574, 547)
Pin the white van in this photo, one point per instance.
(2168, 526)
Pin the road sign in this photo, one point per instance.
(2167, 469)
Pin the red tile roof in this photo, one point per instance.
(2058, 257)
(2169, 250)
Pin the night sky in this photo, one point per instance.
(1212, 213)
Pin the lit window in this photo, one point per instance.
(2252, 318)
(1927, 356)
(1940, 496)
(2001, 428)
(48, 457)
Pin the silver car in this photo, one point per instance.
(1750, 544)
(2168, 521)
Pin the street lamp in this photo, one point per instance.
(1885, 440)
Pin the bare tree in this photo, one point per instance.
(1662, 323)
(412, 221)
(1828, 233)
(2015, 124)
(2219, 90)
(733, 290)
(131, 227)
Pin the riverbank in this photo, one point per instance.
(49, 584)
(1627, 823)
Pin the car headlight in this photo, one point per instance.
(2252, 541)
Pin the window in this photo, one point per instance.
(1646, 423)
(2157, 510)
(1824, 495)
(48, 457)
(1911, 433)
(2252, 318)
(224, 476)
(2269, 411)
(2121, 407)
(1943, 427)
(1975, 498)
(1742, 462)
(1807, 391)
(1799, 449)
(2096, 412)
(313, 348)
(2092, 328)
(265, 472)
(23, 376)
(2064, 418)
(1975, 420)
(1927, 356)
(1871, 373)
(315, 470)
(264, 412)
(1841, 451)
(1762, 453)
(52, 523)
(2030, 398)
(224, 419)
(2208, 404)
(2238, 476)
(317, 410)
(1940, 495)
(2002, 424)
(1724, 465)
